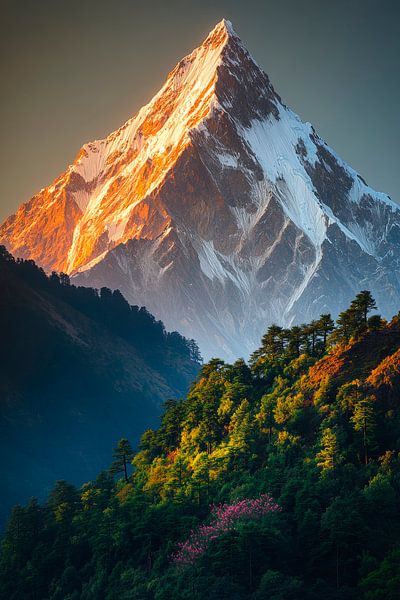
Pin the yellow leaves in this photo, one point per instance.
(190, 439)
(386, 460)
(240, 413)
(62, 511)
(298, 365)
(198, 461)
(157, 475)
(327, 457)
(286, 407)
(125, 492)
(322, 393)
(208, 467)
(89, 498)
(281, 384)
(220, 460)
(287, 440)
(225, 407)
(141, 459)
(185, 438)
(240, 425)
(267, 405)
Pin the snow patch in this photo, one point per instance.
(227, 160)
(273, 142)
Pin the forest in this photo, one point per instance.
(79, 368)
(274, 479)
(108, 307)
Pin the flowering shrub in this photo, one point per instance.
(224, 517)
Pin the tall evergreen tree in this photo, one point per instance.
(325, 325)
(348, 324)
(272, 342)
(295, 338)
(363, 420)
(328, 456)
(122, 455)
(363, 303)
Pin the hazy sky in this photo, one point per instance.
(73, 71)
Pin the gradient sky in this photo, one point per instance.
(73, 71)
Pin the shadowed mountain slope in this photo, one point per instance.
(78, 370)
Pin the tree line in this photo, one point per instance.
(311, 423)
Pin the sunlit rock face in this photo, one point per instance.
(218, 209)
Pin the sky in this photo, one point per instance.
(74, 71)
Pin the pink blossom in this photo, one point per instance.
(224, 517)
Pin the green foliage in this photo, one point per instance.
(296, 424)
(363, 421)
(328, 457)
(354, 321)
(79, 368)
(122, 455)
(383, 583)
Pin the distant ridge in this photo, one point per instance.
(77, 372)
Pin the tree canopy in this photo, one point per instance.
(310, 427)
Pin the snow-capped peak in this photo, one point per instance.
(217, 208)
(145, 147)
(222, 28)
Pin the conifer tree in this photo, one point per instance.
(122, 455)
(295, 338)
(353, 321)
(325, 325)
(328, 456)
(310, 333)
(363, 303)
(364, 422)
(347, 325)
(375, 322)
(272, 343)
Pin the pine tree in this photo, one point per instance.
(375, 322)
(295, 338)
(122, 454)
(328, 456)
(325, 325)
(266, 414)
(309, 341)
(364, 422)
(348, 324)
(363, 303)
(353, 321)
(272, 343)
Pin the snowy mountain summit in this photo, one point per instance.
(218, 209)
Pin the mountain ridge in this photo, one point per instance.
(218, 209)
(77, 369)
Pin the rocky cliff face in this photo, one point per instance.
(218, 209)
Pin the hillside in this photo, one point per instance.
(77, 370)
(276, 479)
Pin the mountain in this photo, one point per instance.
(218, 209)
(278, 479)
(78, 371)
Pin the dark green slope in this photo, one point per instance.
(313, 421)
(77, 371)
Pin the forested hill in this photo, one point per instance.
(78, 369)
(298, 451)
